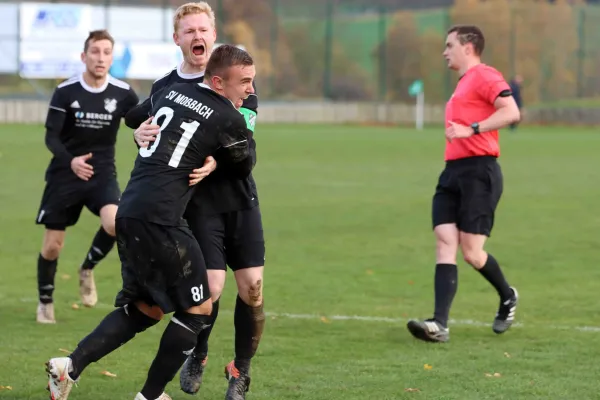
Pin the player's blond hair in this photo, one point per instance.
(200, 7)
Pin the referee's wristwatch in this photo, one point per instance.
(475, 127)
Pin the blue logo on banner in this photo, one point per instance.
(58, 17)
(121, 65)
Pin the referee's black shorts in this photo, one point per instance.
(467, 194)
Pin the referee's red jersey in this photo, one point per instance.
(473, 101)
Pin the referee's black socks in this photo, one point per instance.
(445, 286)
(492, 272)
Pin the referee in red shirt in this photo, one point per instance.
(470, 186)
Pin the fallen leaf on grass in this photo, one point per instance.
(325, 320)
(411, 283)
(427, 367)
(109, 374)
(64, 351)
(369, 272)
(65, 276)
(506, 355)
(494, 375)
(412, 390)
(5, 387)
(75, 306)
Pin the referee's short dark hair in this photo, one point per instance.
(224, 57)
(469, 34)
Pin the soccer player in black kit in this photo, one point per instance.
(223, 214)
(81, 131)
(163, 268)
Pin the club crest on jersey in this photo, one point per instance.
(110, 105)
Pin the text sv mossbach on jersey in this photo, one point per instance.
(190, 103)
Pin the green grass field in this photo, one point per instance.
(350, 257)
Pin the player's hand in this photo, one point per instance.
(82, 169)
(146, 133)
(210, 164)
(457, 131)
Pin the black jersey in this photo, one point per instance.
(195, 122)
(221, 191)
(82, 119)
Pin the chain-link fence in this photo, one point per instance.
(373, 50)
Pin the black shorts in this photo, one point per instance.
(160, 265)
(233, 239)
(467, 194)
(65, 196)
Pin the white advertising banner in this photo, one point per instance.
(57, 21)
(50, 59)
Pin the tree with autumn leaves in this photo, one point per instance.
(534, 38)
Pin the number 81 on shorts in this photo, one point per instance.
(197, 293)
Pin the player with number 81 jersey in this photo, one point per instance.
(195, 122)
(156, 247)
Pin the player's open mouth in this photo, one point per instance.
(198, 50)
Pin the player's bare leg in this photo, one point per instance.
(46, 271)
(102, 244)
(177, 343)
(116, 329)
(249, 321)
(190, 377)
(445, 286)
(472, 248)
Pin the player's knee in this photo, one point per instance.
(141, 320)
(153, 312)
(193, 322)
(107, 219)
(216, 283)
(109, 227)
(254, 293)
(203, 309)
(52, 246)
(474, 257)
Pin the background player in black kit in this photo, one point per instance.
(162, 265)
(81, 131)
(224, 214)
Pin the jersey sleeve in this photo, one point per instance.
(55, 120)
(490, 84)
(236, 149)
(131, 100)
(138, 114)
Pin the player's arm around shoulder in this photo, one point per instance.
(495, 90)
(140, 119)
(236, 154)
(249, 110)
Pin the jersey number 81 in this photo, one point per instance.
(189, 128)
